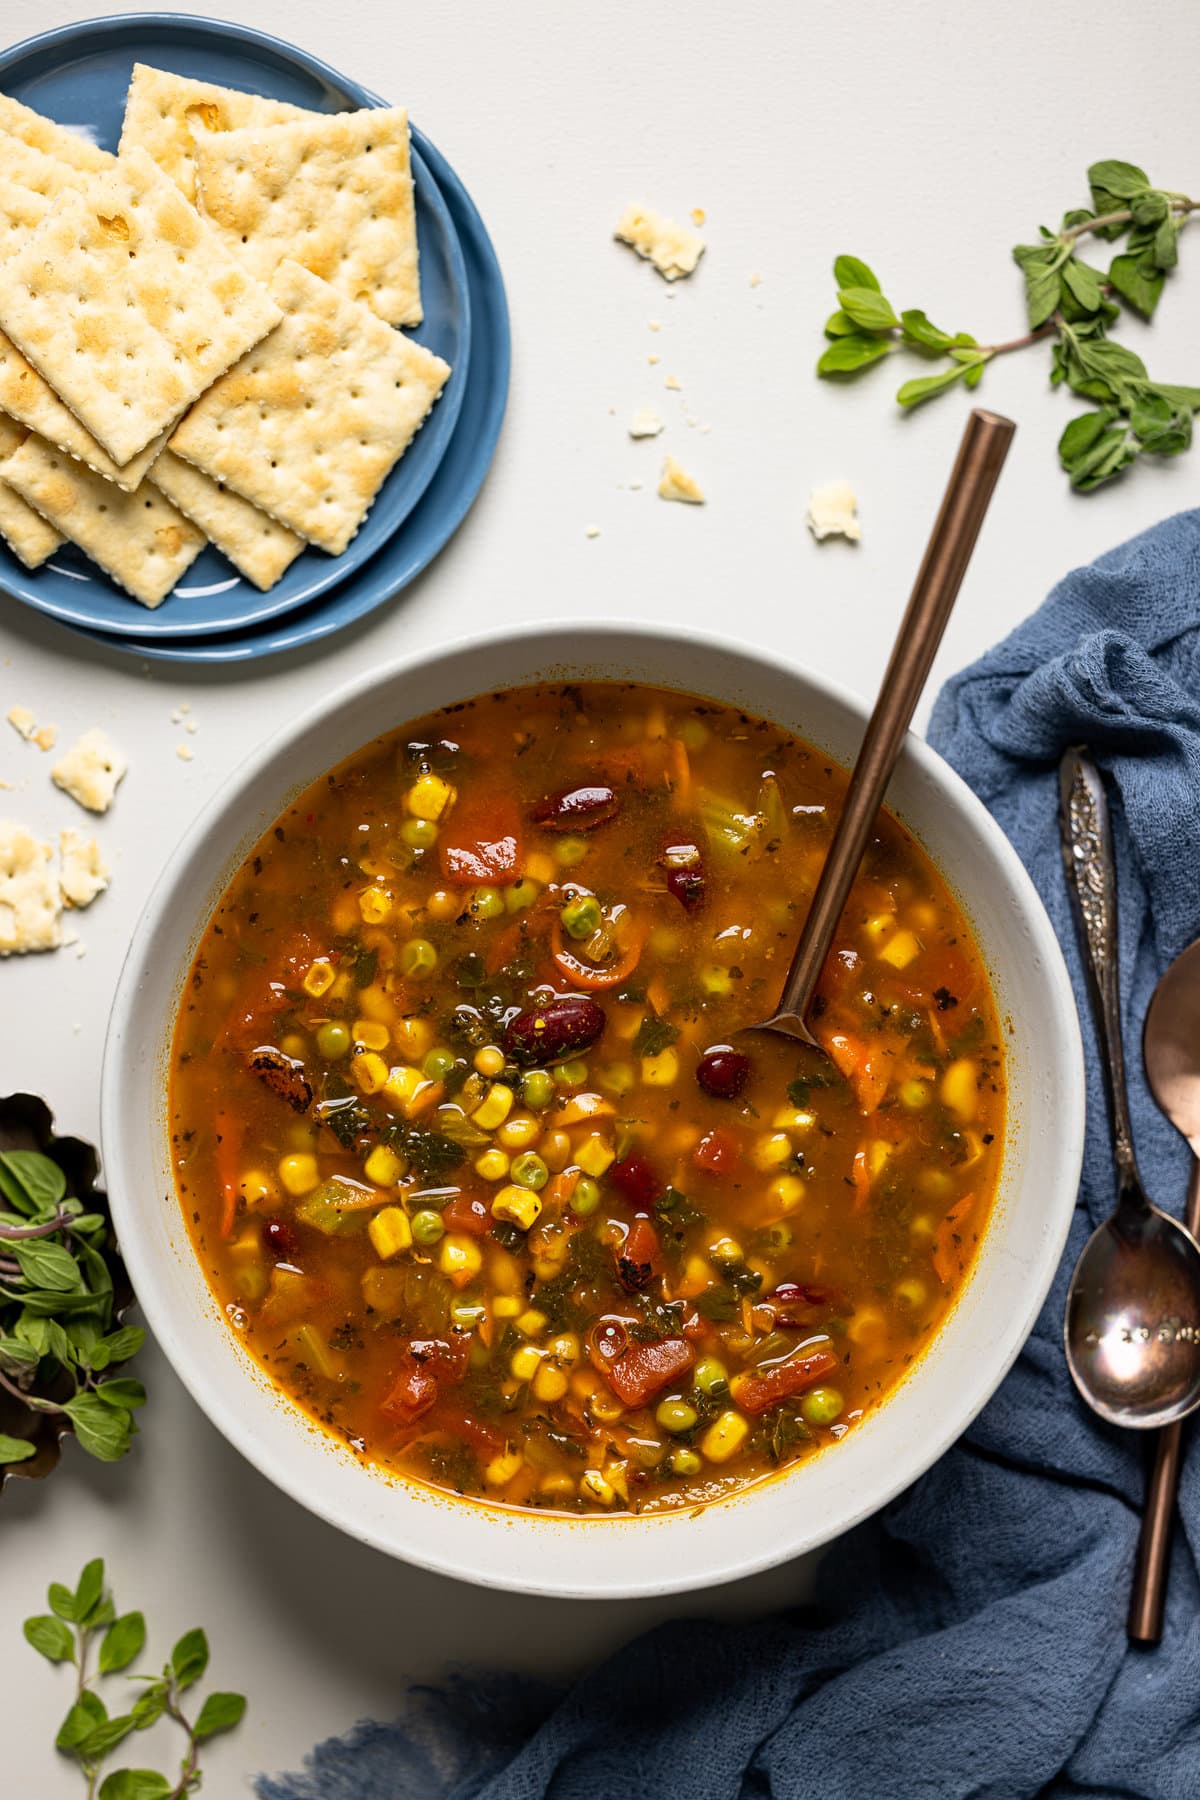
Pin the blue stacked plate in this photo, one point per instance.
(79, 75)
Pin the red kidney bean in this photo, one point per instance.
(723, 1072)
(281, 1239)
(577, 809)
(635, 1179)
(687, 886)
(556, 1029)
(795, 1302)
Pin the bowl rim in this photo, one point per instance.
(587, 642)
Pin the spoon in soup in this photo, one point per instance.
(1171, 1052)
(972, 481)
(1132, 1326)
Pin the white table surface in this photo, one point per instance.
(927, 139)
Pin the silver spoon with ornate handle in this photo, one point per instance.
(1132, 1325)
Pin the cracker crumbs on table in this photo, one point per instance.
(674, 383)
(756, 281)
(672, 248)
(84, 872)
(652, 358)
(591, 531)
(645, 423)
(33, 891)
(91, 771)
(22, 722)
(833, 512)
(654, 324)
(676, 484)
(185, 753)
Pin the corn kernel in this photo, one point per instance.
(374, 905)
(866, 1325)
(725, 1437)
(564, 1348)
(293, 1045)
(540, 867)
(370, 1071)
(555, 1150)
(878, 928)
(520, 1206)
(770, 1152)
(376, 1003)
(592, 1486)
(550, 1384)
(343, 986)
(726, 1250)
(503, 1467)
(429, 797)
(660, 1070)
(490, 1060)
(413, 1037)
(495, 1109)
(605, 1406)
(878, 1153)
(595, 1155)
(371, 1034)
(319, 977)
(960, 1090)
(519, 1132)
(557, 1487)
(257, 1187)
(786, 1191)
(507, 1306)
(492, 1165)
(922, 1229)
(531, 1323)
(900, 950)
(443, 905)
(403, 1083)
(526, 1362)
(299, 1174)
(383, 1167)
(791, 1118)
(911, 1292)
(460, 1258)
(716, 981)
(390, 1232)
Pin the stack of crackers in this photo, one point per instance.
(197, 335)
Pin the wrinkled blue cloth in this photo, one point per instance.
(970, 1640)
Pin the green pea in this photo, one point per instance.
(586, 1196)
(418, 958)
(571, 850)
(675, 1415)
(571, 1074)
(537, 1088)
(581, 917)
(427, 1227)
(711, 1376)
(487, 903)
(822, 1405)
(521, 894)
(419, 834)
(685, 1462)
(529, 1171)
(438, 1064)
(333, 1040)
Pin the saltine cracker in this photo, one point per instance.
(165, 113)
(256, 544)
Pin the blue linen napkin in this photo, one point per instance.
(970, 1640)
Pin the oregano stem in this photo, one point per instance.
(188, 1766)
(1181, 205)
(33, 1401)
(1021, 343)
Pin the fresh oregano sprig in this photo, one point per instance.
(57, 1332)
(1070, 303)
(78, 1622)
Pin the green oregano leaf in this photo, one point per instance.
(135, 1784)
(849, 272)
(220, 1712)
(50, 1637)
(868, 308)
(189, 1658)
(851, 353)
(123, 1641)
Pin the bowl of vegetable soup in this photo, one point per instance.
(455, 1182)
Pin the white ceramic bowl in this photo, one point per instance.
(764, 1524)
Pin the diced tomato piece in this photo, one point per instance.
(427, 1365)
(466, 1212)
(718, 1153)
(465, 1426)
(635, 1180)
(645, 1369)
(639, 1258)
(759, 1393)
(413, 1393)
(481, 844)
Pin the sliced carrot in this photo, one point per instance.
(947, 1256)
(862, 1179)
(679, 773)
(424, 1098)
(588, 975)
(863, 1067)
(559, 1188)
(658, 997)
(504, 947)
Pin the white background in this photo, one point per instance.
(926, 138)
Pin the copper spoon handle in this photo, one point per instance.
(980, 458)
(1148, 1598)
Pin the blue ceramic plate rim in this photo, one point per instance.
(434, 522)
(72, 596)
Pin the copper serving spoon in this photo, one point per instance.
(973, 478)
(1132, 1326)
(1171, 1050)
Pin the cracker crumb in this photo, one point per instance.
(645, 423)
(672, 248)
(30, 900)
(191, 726)
(46, 736)
(22, 722)
(676, 484)
(84, 874)
(91, 771)
(591, 531)
(698, 215)
(177, 716)
(655, 324)
(635, 487)
(653, 359)
(185, 753)
(755, 280)
(674, 383)
(833, 512)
